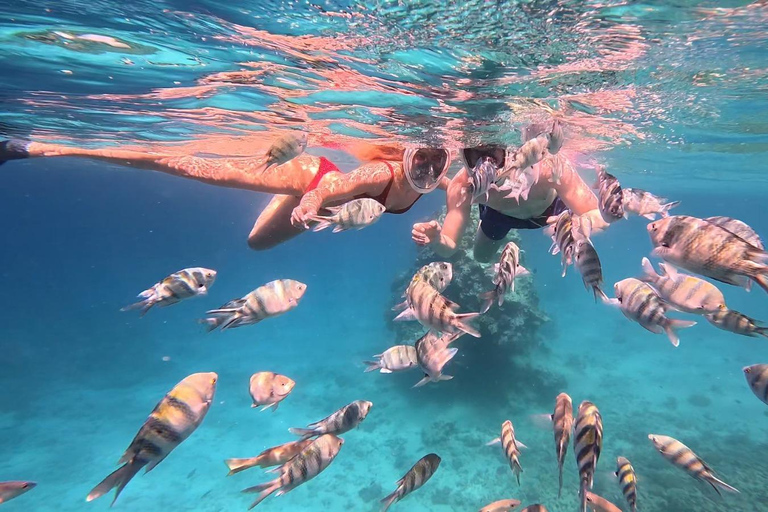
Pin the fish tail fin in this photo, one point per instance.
(649, 274)
(718, 484)
(462, 323)
(372, 366)
(488, 299)
(117, 479)
(209, 323)
(583, 496)
(264, 490)
(761, 278)
(322, 223)
(517, 469)
(762, 331)
(560, 479)
(238, 465)
(675, 325)
(305, 433)
(388, 501)
(144, 305)
(666, 207)
(600, 293)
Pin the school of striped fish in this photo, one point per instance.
(722, 249)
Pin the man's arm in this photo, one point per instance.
(580, 199)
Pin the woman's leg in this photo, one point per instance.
(274, 226)
(292, 177)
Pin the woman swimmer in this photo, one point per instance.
(394, 177)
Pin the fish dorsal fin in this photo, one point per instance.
(669, 270)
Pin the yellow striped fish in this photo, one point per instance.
(394, 359)
(305, 466)
(275, 456)
(732, 321)
(684, 292)
(511, 447)
(432, 354)
(190, 282)
(284, 149)
(355, 214)
(174, 419)
(628, 481)
(562, 423)
(432, 310)
(417, 476)
(343, 420)
(533, 150)
(272, 299)
(587, 444)
(684, 458)
(757, 378)
(268, 389)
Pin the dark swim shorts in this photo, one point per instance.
(496, 225)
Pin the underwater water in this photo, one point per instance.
(670, 97)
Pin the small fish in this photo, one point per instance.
(437, 274)
(10, 490)
(269, 389)
(275, 456)
(271, 300)
(343, 420)
(533, 150)
(305, 466)
(645, 204)
(757, 378)
(587, 445)
(519, 185)
(535, 508)
(737, 323)
(640, 303)
(432, 354)
(609, 196)
(284, 149)
(683, 292)
(684, 458)
(417, 476)
(174, 419)
(588, 264)
(739, 229)
(506, 271)
(501, 506)
(709, 250)
(600, 504)
(394, 359)
(511, 447)
(190, 282)
(482, 180)
(628, 481)
(563, 240)
(355, 214)
(432, 310)
(562, 425)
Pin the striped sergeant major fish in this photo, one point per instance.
(190, 282)
(610, 197)
(417, 476)
(501, 506)
(343, 420)
(684, 458)
(355, 214)
(173, 420)
(284, 149)
(757, 378)
(738, 228)
(305, 466)
(684, 292)
(482, 180)
(562, 425)
(563, 240)
(708, 250)
(534, 149)
(645, 204)
(511, 447)
(628, 481)
(588, 264)
(737, 323)
(519, 185)
(432, 354)
(640, 303)
(587, 444)
(268, 389)
(272, 299)
(599, 504)
(275, 456)
(437, 274)
(394, 359)
(426, 304)
(11, 490)
(505, 272)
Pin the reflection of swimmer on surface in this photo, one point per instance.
(394, 177)
(554, 191)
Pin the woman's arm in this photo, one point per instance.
(369, 179)
(445, 240)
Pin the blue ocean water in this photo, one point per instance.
(671, 98)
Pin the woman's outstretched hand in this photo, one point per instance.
(424, 233)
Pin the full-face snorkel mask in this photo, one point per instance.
(425, 167)
(472, 156)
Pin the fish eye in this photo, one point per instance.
(24, 486)
(747, 370)
(665, 245)
(213, 380)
